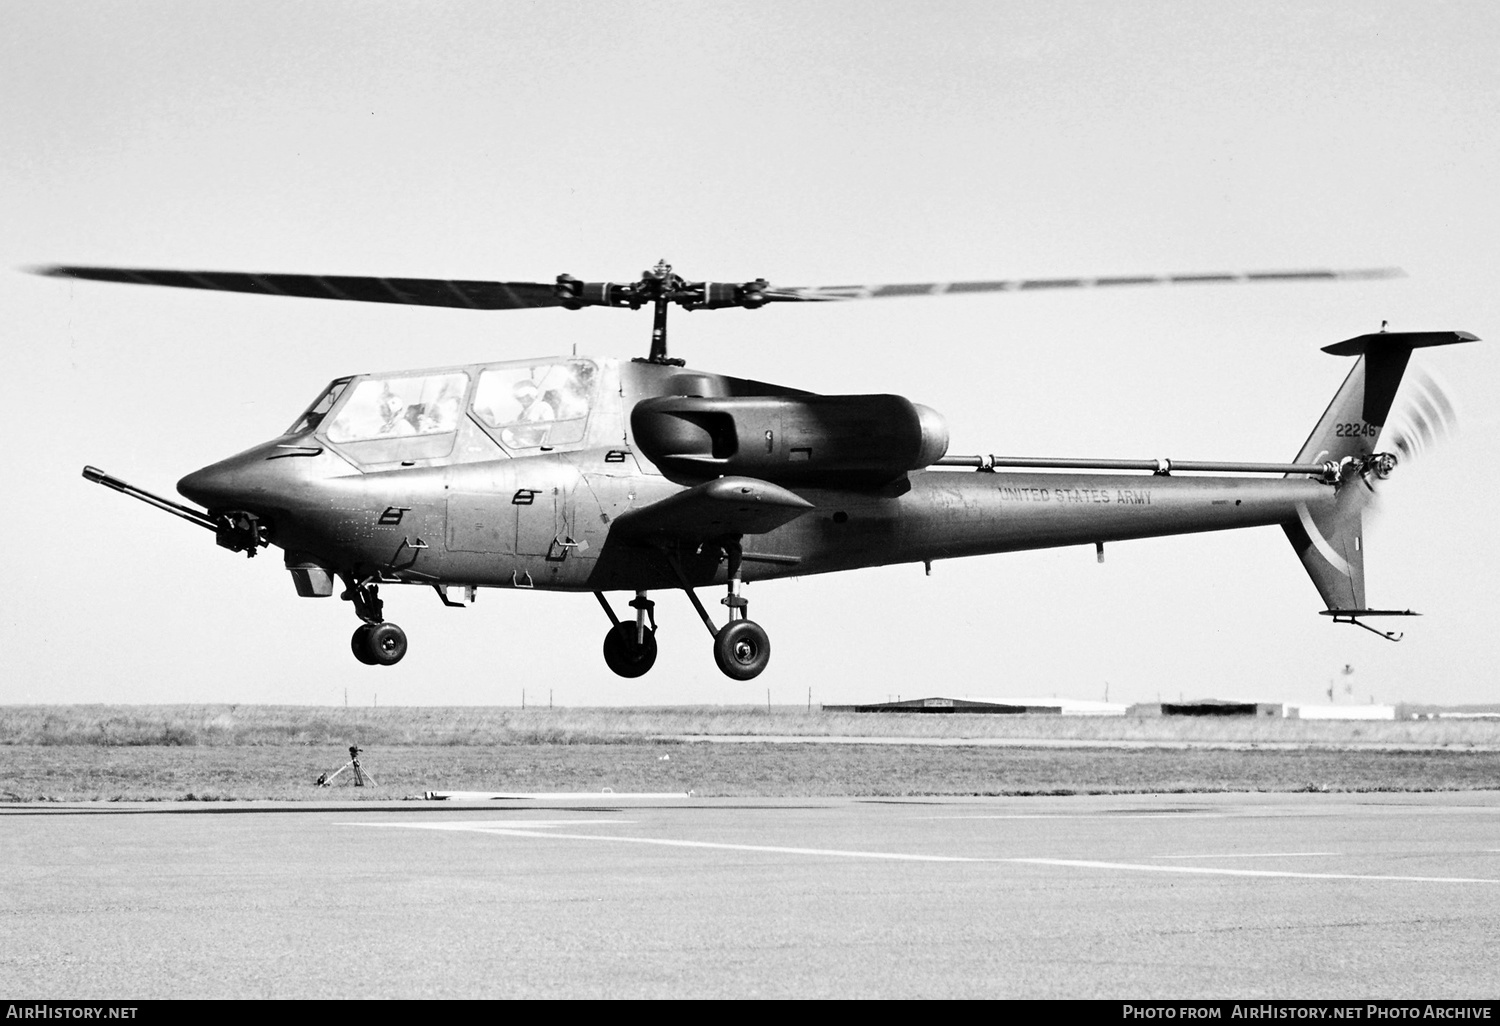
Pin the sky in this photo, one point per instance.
(809, 143)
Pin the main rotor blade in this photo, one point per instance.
(469, 295)
(520, 295)
(831, 293)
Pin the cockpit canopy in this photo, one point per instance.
(532, 405)
(522, 406)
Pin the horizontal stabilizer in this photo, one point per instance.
(1367, 612)
(1383, 340)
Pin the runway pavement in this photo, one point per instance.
(1166, 896)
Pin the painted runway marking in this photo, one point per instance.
(1245, 813)
(552, 796)
(1117, 816)
(507, 825)
(507, 829)
(1207, 870)
(520, 830)
(1251, 855)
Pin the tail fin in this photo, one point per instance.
(1329, 541)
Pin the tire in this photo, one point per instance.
(742, 649)
(359, 644)
(385, 644)
(624, 655)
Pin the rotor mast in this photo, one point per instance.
(666, 286)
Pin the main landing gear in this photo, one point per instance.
(630, 648)
(741, 647)
(375, 642)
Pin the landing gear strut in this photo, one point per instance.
(741, 647)
(375, 642)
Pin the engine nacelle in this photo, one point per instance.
(841, 439)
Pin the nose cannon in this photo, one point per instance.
(236, 530)
(228, 486)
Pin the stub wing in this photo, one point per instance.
(713, 509)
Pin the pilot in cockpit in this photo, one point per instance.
(535, 413)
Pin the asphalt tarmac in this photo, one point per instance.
(1165, 896)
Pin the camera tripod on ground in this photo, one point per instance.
(360, 776)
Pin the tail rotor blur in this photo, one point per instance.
(1423, 419)
(1377, 403)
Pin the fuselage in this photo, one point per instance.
(514, 474)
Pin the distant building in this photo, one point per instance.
(1069, 706)
(1208, 707)
(928, 705)
(1341, 712)
(1053, 706)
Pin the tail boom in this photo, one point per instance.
(947, 514)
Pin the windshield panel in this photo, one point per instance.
(320, 407)
(399, 407)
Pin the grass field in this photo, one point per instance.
(173, 753)
(216, 725)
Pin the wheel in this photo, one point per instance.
(359, 644)
(626, 656)
(742, 649)
(384, 644)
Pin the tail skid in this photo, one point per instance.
(1353, 615)
(1329, 541)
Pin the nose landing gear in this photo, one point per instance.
(375, 642)
(378, 644)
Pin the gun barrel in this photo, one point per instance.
(187, 513)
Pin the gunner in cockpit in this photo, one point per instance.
(533, 420)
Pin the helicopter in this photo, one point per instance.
(584, 474)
